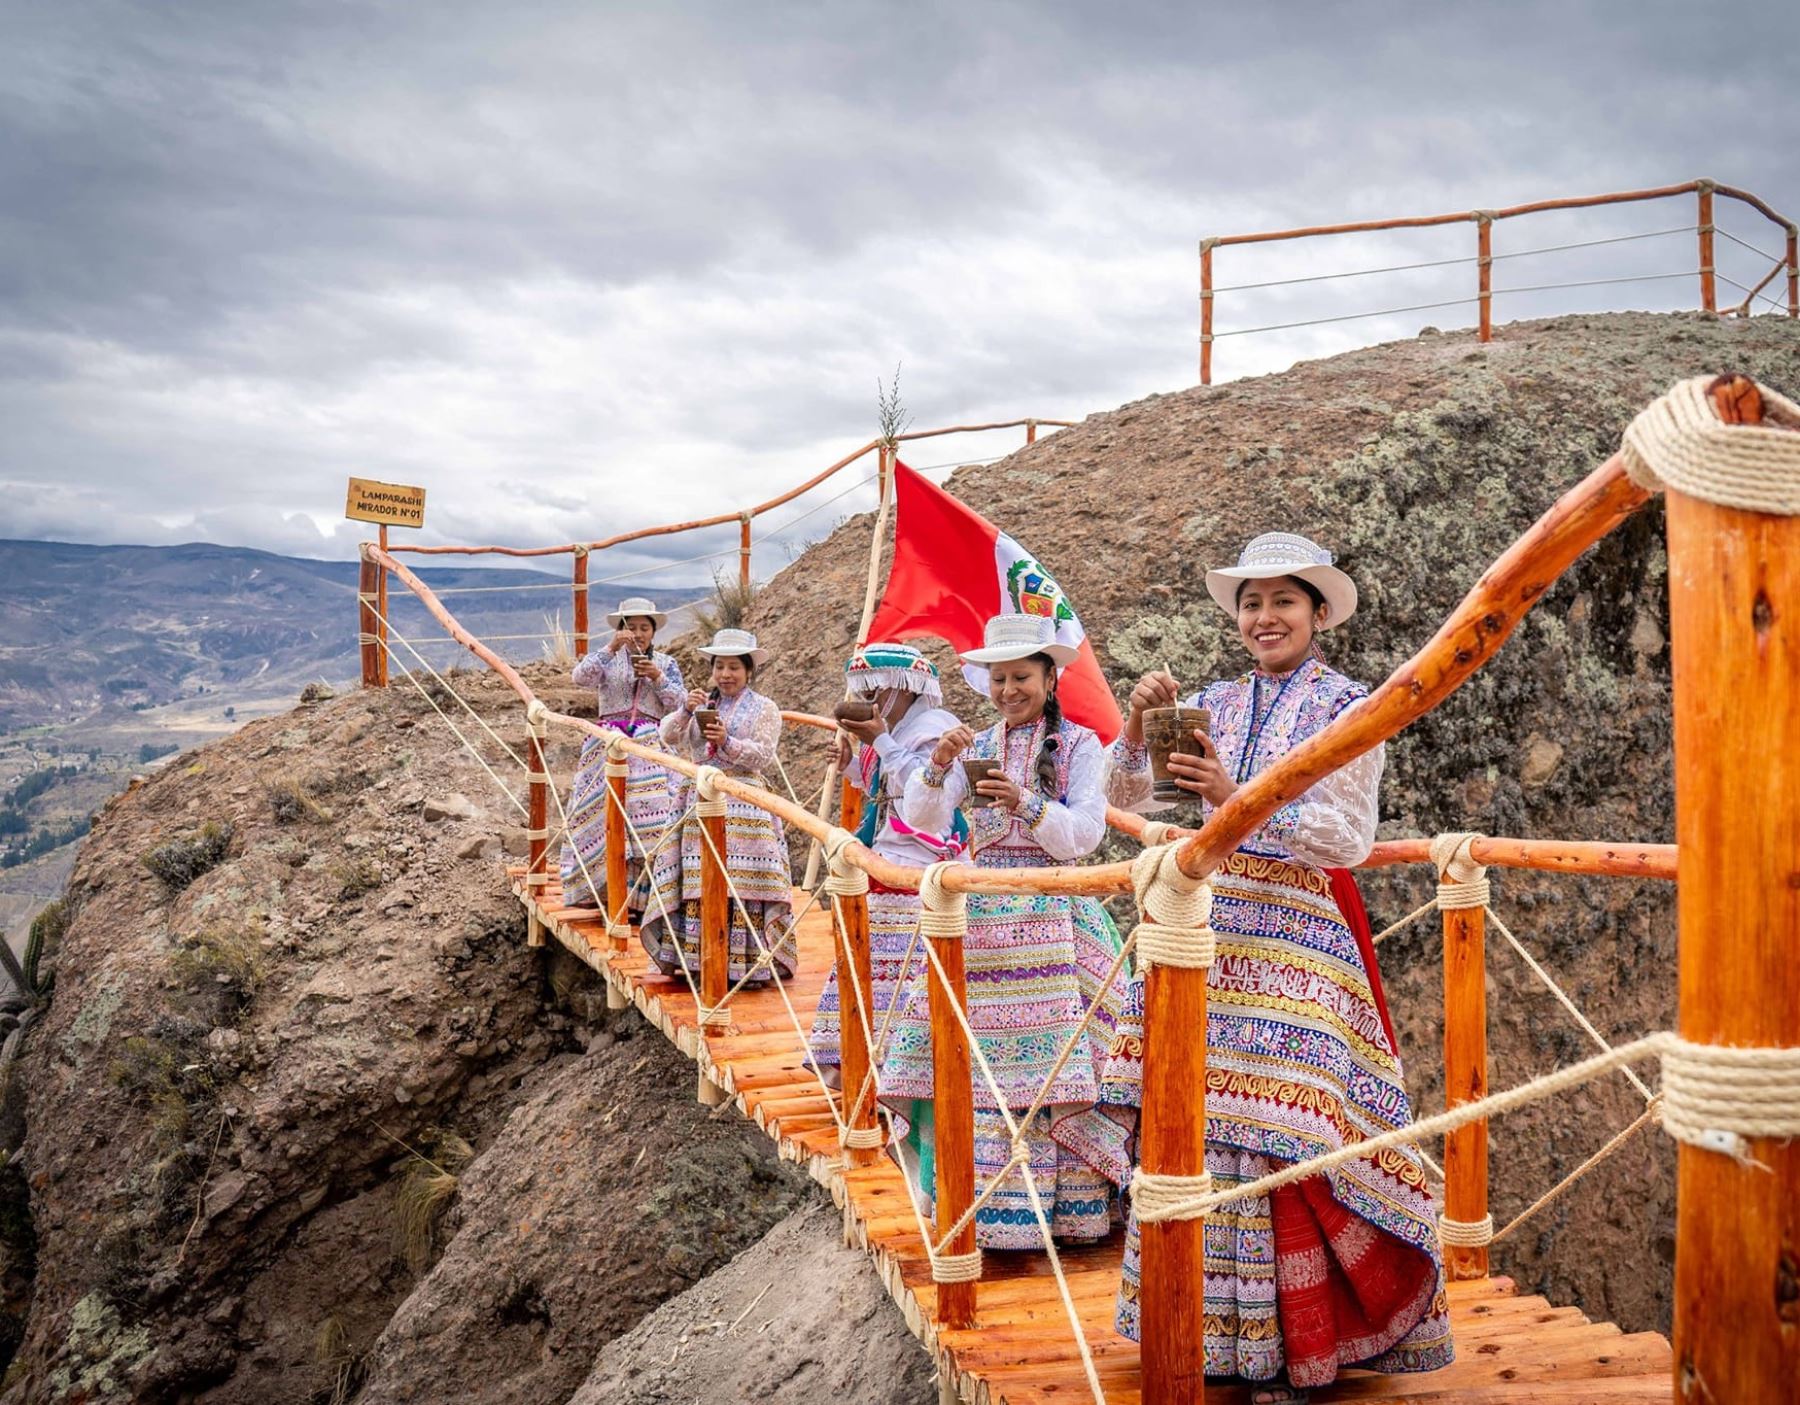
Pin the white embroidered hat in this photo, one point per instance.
(633, 607)
(1286, 554)
(1009, 637)
(735, 643)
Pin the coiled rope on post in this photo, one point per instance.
(1465, 1234)
(845, 879)
(706, 784)
(1678, 441)
(941, 912)
(1462, 883)
(1175, 912)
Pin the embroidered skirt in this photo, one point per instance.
(648, 805)
(1299, 1062)
(761, 937)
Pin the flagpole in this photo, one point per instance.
(885, 455)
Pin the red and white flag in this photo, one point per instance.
(953, 570)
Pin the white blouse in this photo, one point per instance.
(1066, 829)
(752, 731)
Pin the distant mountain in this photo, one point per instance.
(92, 630)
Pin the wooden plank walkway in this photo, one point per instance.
(1511, 1347)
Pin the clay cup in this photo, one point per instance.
(1168, 730)
(854, 710)
(974, 772)
(704, 717)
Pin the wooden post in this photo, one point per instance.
(1172, 1142)
(744, 552)
(1484, 264)
(581, 603)
(715, 932)
(381, 614)
(1709, 299)
(1793, 271)
(1465, 1080)
(1206, 306)
(850, 805)
(537, 863)
(1031, 431)
(855, 974)
(953, 1123)
(618, 911)
(368, 640)
(1734, 615)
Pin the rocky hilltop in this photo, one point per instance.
(1417, 463)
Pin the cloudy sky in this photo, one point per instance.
(578, 266)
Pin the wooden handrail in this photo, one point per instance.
(720, 519)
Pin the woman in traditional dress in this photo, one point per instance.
(902, 685)
(1343, 1268)
(740, 739)
(639, 685)
(1035, 964)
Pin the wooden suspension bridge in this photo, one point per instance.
(1735, 637)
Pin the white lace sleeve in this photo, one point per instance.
(931, 796)
(590, 669)
(753, 749)
(1128, 778)
(1333, 824)
(1072, 828)
(674, 732)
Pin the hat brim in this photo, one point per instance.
(757, 657)
(1061, 654)
(1337, 588)
(656, 617)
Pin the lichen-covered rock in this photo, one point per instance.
(1418, 463)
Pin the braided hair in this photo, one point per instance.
(1046, 758)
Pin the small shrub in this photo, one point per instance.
(223, 963)
(428, 1182)
(729, 606)
(292, 798)
(317, 692)
(356, 877)
(179, 861)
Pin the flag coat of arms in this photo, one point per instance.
(953, 570)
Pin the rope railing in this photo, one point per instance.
(1705, 270)
(1735, 1102)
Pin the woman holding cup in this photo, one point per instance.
(1340, 1269)
(736, 728)
(638, 685)
(1035, 963)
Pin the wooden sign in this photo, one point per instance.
(391, 504)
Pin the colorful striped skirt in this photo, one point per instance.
(648, 805)
(1034, 967)
(893, 918)
(760, 933)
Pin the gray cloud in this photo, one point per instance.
(581, 268)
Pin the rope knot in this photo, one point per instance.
(1175, 912)
(1462, 883)
(578, 550)
(1159, 832)
(846, 880)
(1717, 1097)
(941, 913)
(706, 784)
(537, 717)
(1679, 442)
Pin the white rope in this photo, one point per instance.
(481, 760)
(1680, 442)
(1158, 1199)
(1649, 1115)
(1712, 1092)
(1465, 1234)
(1175, 929)
(1462, 883)
(445, 684)
(956, 1268)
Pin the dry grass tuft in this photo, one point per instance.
(428, 1179)
(559, 647)
(339, 1360)
(729, 607)
(292, 797)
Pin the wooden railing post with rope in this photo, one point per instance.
(1734, 617)
(367, 622)
(953, 1107)
(537, 818)
(715, 928)
(1484, 258)
(1462, 899)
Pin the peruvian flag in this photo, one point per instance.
(953, 570)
